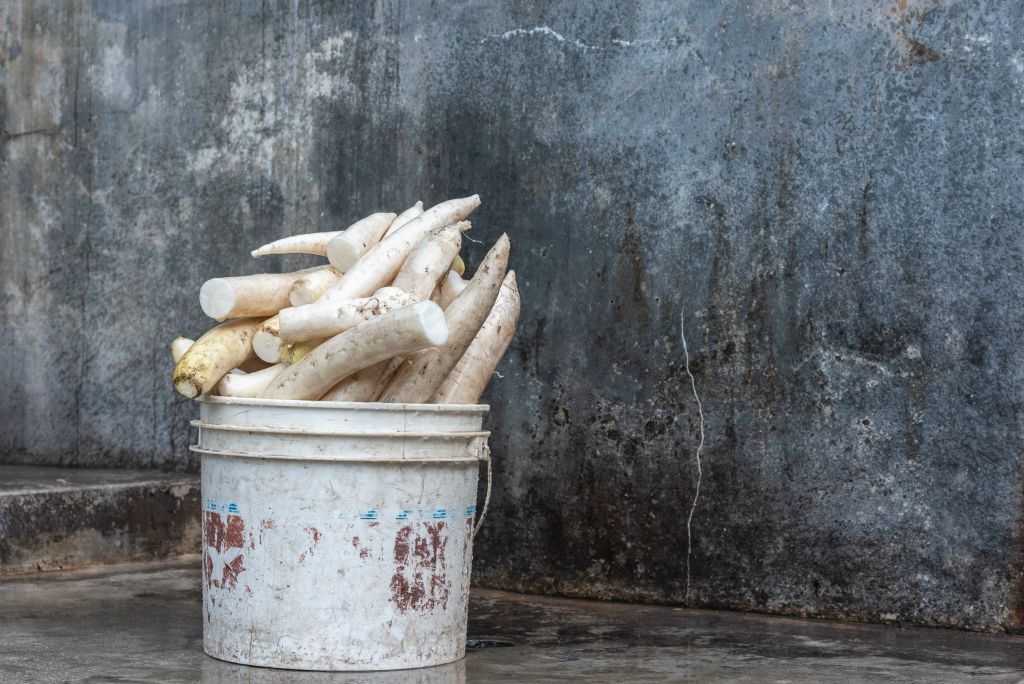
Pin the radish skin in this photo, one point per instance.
(401, 331)
(406, 216)
(219, 350)
(346, 247)
(307, 243)
(308, 289)
(429, 261)
(451, 287)
(263, 294)
(267, 341)
(179, 346)
(380, 265)
(360, 386)
(421, 375)
(309, 322)
(270, 348)
(248, 385)
(367, 384)
(290, 353)
(474, 370)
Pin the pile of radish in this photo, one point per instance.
(389, 319)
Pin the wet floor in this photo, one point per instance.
(142, 623)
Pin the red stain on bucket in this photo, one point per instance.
(315, 535)
(222, 550)
(420, 581)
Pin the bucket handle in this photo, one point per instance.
(485, 455)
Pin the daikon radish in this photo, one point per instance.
(263, 294)
(459, 266)
(346, 247)
(381, 264)
(269, 347)
(179, 346)
(388, 373)
(309, 288)
(406, 216)
(366, 384)
(219, 350)
(428, 262)
(360, 386)
(451, 287)
(267, 342)
(290, 353)
(401, 331)
(377, 268)
(307, 243)
(421, 375)
(248, 384)
(471, 374)
(300, 323)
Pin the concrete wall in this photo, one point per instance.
(828, 195)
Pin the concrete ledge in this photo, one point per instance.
(65, 518)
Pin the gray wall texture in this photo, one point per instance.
(825, 198)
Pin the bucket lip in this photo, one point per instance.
(393, 434)
(348, 405)
(199, 449)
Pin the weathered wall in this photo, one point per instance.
(827, 194)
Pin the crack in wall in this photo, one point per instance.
(700, 447)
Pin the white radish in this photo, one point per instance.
(451, 287)
(428, 262)
(380, 265)
(307, 243)
(308, 289)
(401, 331)
(263, 294)
(270, 348)
(346, 247)
(377, 268)
(360, 386)
(471, 374)
(179, 346)
(406, 216)
(219, 350)
(267, 342)
(291, 353)
(421, 375)
(248, 384)
(297, 324)
(366, 384)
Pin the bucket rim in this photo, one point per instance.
(269, 430)
(199, 449)
(349, 405)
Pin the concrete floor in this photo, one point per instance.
(141, 623)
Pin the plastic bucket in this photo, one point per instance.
(337, 536)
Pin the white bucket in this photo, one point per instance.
(337, 536)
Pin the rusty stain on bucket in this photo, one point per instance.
(420, 581)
